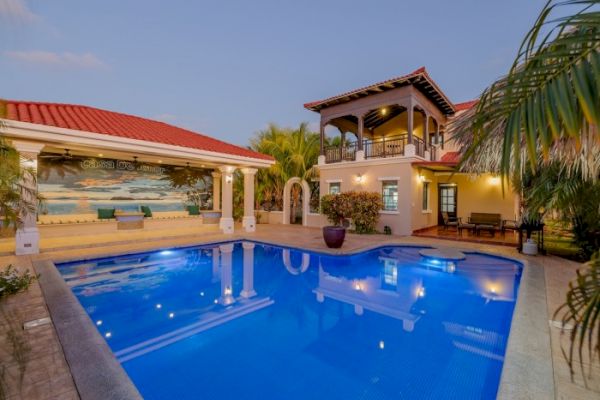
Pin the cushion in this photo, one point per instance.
(106, 213)
(146, 210)
(193, 210)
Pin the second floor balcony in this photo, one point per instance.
(393, 146)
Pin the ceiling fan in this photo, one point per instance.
(58, 157)
(179, 168)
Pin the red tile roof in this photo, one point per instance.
(465, 105)
(91, 119)
(451, 157)
(389, 84)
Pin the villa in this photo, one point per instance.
(394, 141)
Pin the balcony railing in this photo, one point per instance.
(385, 147)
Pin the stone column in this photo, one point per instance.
(410, 149)
(248, 289)
(216, 190)
(321, 160)
(360, 152)
(249, 220)
(28, 236)
(226, 275)
(226, 222)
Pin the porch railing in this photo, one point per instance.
(385, 147)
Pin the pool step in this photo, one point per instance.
(208, 321)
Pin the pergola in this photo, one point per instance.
(34, 127)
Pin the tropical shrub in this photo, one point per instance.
(337, 207)
(11, 281)
(362, 207)
(365, 210)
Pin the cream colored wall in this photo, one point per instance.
(420, 218)
(400, 221)
(481, 194)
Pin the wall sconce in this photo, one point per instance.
(494, 180)
(383, 111)
(421, 178)
(359, 178)
(228, 178)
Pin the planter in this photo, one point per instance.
(530, 247)
(334, 236)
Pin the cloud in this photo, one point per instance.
(52, 59)
(17, 11)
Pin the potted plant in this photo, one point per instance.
(336, 207)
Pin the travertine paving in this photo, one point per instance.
(46, 374)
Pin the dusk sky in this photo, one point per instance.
(228, 68)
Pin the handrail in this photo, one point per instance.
(391, 146)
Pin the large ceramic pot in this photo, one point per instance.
(334, 236)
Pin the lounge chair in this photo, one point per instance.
(106, 213)
(146, 210)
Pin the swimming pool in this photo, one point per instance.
(248, 320)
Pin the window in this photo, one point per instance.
(390, 195)
(335, 188)
(425, 196)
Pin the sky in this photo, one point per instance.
(229, 68)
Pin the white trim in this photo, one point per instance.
(388, 178)
(51, 135)
(372, 161)
(426, 212)
(389, 212)
(333, 181)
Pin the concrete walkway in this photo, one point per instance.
(46, 374)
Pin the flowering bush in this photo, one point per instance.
(362, 207)
(336, 207)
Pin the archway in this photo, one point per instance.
(287, 261)
(287, 200)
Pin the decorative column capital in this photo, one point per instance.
(216, 174)
(227, 169)
(28, 147)
(226, 248)
(248, 245)
(249, 171)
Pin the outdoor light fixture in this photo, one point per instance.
(383, 111)
(100, 155)
(494, 180)
(359, 178)
(228, 179)
(422, 178)
(99, 322)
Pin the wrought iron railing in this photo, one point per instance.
(385, 147)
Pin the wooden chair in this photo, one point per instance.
(450, 221)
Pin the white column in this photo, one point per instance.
(249, 220)
(226, 222)
(248, 289)
(28, 236)
(226, 275)
(360, 152)
(216, 190)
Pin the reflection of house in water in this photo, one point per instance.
(388, 294)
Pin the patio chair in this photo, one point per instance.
(449, 221)
(509, 225)
(106, 213)
(193, 210)
(146, 210)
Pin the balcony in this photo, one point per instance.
(392, 146)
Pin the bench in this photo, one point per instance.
(486, 222)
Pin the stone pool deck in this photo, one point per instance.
(41, 371)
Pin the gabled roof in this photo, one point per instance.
(419, 78)
(96, 120)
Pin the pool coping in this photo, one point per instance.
(527, 371)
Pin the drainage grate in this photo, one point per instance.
(36, 322)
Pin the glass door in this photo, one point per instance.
(446, 201)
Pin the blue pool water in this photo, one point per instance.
(253, 321)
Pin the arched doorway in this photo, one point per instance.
(304, 192)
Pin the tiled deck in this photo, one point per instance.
(47, 375)
(438, 232)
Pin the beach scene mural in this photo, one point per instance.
(81, 185)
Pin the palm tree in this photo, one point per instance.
(538, 127)
(17, 198)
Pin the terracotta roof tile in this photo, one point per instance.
(465, 105)
(96, 120)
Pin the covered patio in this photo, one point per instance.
(101, 172)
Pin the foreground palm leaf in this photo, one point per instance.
(547, 107)
(582, 312)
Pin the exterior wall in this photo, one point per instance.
(481, 194)
(371, 171)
